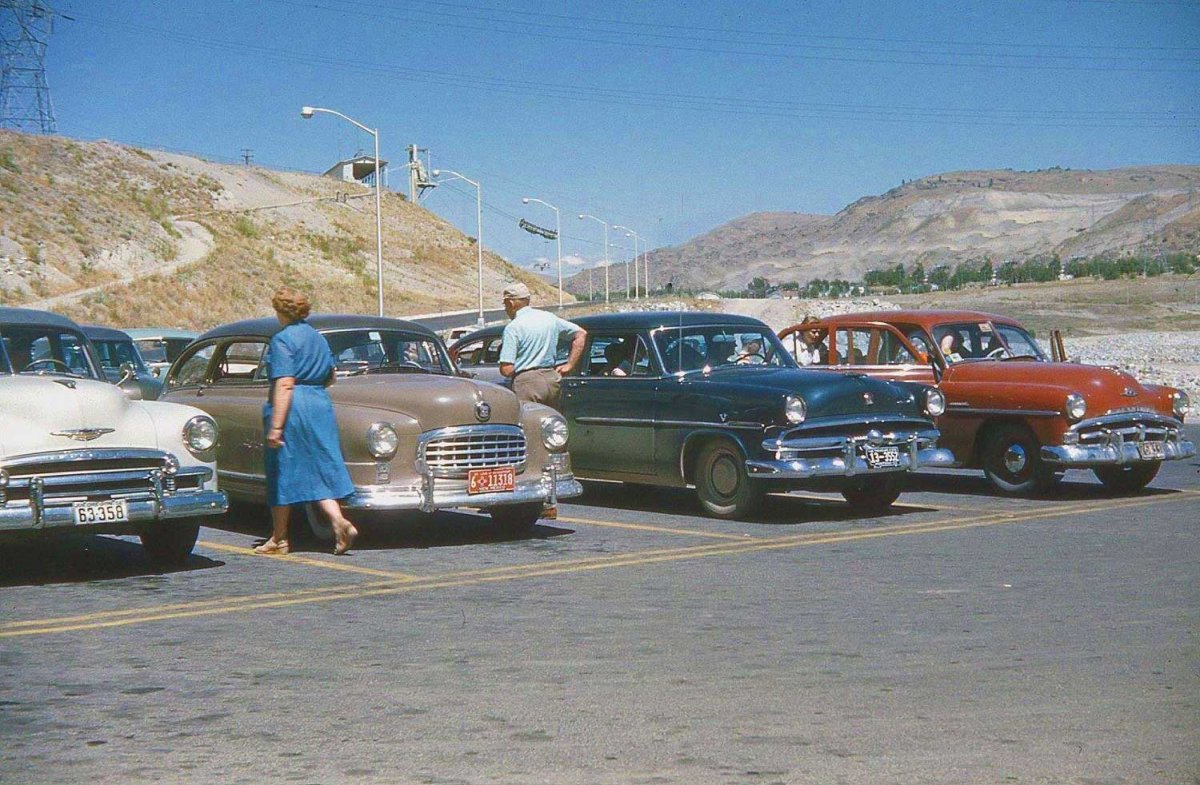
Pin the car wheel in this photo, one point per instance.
(1127, 479)
(1012, 461)
(874, 493)
(722, 485)
(516, 518)
(170, 543)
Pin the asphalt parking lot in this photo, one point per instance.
(962, 638)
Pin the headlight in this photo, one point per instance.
(554, 432)
(794, 409)
(1076, 407)
(200, 433)
(382, 440)
(1181, 404)
(935, 402)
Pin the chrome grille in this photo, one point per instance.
(1130, 426)
(452, 452)
(89, 475)
(831, 436)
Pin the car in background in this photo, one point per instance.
(122, 363)
(415, 435)
(76, 455)
(1020, 416)
(160, 346)
(715, 401)
(478, 353)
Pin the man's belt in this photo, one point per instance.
(538, 368)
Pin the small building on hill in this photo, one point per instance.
(359, 169)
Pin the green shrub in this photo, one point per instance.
(245, 227)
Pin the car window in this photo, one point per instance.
(966, 340)
(46, 349)
(175, 347)
(699, 348)
(491, 353)
(154, 350)
(616, 355)
(238, 362)
(5, 365)
(470, 353)
(368, 350)
(1018, 342)
(114, 354)
(191, 368)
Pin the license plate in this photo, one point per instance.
(1151, 451)
(100, 512)
(497, 480)
(882, 457)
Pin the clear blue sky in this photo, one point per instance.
(668, 117)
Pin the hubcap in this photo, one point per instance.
(724, 476)
(1015, 458)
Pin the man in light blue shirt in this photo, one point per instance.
(530, 342)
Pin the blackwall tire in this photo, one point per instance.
(170, 543)
(724, 488)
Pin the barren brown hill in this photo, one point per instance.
(947, 219)
(116, 235)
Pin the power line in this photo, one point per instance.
(710, 104)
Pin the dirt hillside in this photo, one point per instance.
(116, 235)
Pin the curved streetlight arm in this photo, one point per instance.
(307, 112)
(479, 322)
(557, 239)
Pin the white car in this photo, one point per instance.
(76, 454)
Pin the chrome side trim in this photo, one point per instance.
(961, 408)
(670, 423)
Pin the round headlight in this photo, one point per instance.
(200, 433)
(1181, 404)
(554, 432)
(794, 409)
(1076, 407)
(935, 402)
(382, 440)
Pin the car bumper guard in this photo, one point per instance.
(805, 458)
(437, 494)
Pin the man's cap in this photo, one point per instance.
(516, 291)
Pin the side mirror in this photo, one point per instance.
(922, 358)
(128, 371)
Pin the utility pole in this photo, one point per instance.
(418, 179)
(247, 155)
(25, 29)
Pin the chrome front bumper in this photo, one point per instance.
(33, 516)
(808, 457)
(437, 494)
(1113, 440)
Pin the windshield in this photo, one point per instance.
(984, 341)
(704, 348)
(386, 351)
(114, 354)
(46, 349)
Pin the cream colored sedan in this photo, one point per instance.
(77, 455)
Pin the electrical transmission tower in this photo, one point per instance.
(25, 28)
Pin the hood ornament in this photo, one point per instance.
(83, 434)
(483, 412)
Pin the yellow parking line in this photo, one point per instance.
(476, 577)
(662, 529)
(243, 550)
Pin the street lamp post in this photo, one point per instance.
(597, 220)
(634, 235)
(307, 112)
(478, 229)
(558, 239)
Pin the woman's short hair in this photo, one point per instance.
(291, 303)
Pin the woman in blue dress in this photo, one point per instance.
(304, 461)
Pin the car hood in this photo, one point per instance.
(33, 408)
(826, 394)
(1103, 388)
(430, 399)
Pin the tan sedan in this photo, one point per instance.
(415, 434)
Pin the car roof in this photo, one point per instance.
(922, 317)
(31, 316)
(485, 332)
(268, 326)
(98, 332)
(143, 333)
(649, 319)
